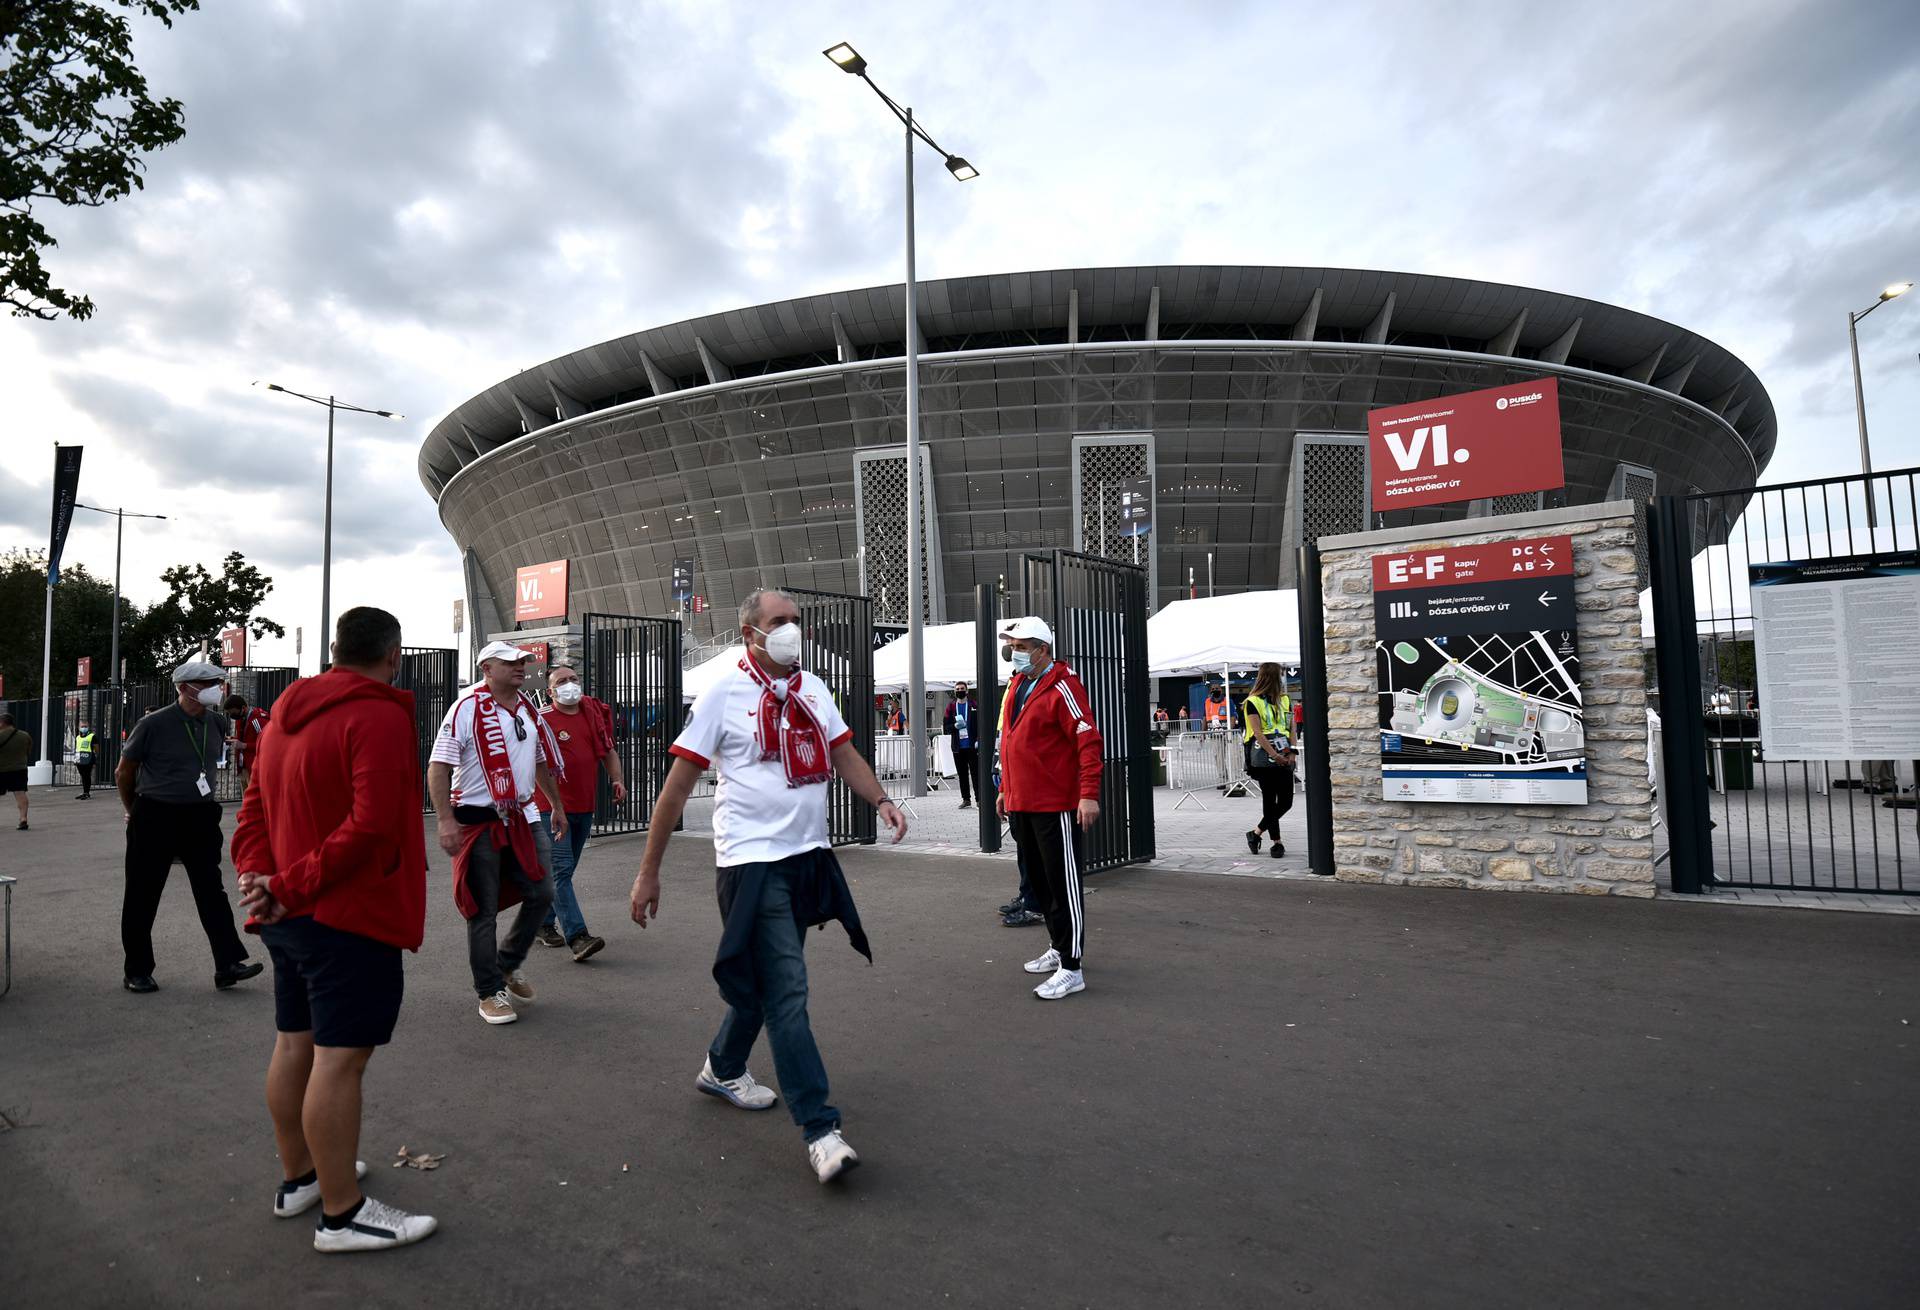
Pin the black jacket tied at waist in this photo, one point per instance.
(820, 894)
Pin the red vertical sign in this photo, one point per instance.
(540, 591)
(233, 648)
(83, 674)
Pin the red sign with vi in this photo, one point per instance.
(540, 591)
(1495, 442)
(1495, 561)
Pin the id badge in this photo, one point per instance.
(206, 788)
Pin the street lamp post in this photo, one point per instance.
(120, 517)
(848, 60)
(326, 547)
(1859, 394)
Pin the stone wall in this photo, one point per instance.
(1604, 847)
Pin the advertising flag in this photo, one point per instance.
(66, 489)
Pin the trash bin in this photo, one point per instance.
(1736, 765)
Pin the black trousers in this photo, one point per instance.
(965, 760)
(157, 835)
(1051, 853)
(86, 777)
(1276, 797)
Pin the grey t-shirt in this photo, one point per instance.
(172, 749)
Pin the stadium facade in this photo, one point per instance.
(767, 444)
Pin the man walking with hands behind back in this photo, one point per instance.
(1050, 766)
(776, 737)
(333, 866)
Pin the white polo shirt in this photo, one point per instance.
(454, 744)
(756, 816)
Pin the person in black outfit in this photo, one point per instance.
(165, 788)
(963, 728)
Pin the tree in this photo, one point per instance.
(75, 117)
(197, 607)
(82, 622)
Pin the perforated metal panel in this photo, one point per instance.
(1104, 468)
(880, 517)
(1332, 489)
(1635, 482)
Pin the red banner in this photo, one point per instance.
(83, 672)
(1483, 443)
(233, 648)
(540, 591)
(1494, 561)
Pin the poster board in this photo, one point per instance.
(1477, 444)
(1834, 657)
(1478, 668)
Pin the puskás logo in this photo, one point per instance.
(1516, 401)
(1500, 403)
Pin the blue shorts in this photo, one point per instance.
(343, 988)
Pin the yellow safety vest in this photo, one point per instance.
(83, 744)
(1275, 723)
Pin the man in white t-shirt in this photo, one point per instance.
(774, 734)
(492, 750)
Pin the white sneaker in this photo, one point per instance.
(1063, 984)
(741, 1091)
(290, 1201)
(830, 1156)
(375, 1228)
(1045, 964)
(498, 1008)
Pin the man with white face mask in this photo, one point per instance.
(584, 728)
(776, 738)
(165, 779)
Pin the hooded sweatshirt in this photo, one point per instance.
(333, 809)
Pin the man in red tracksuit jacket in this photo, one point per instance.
(1050, 766)
(330, 856)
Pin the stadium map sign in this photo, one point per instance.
(1479, 674)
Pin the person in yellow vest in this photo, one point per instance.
(83, 760)
(1270, 756)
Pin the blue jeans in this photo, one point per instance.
(780, 977)
(566, 854)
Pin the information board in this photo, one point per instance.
(1479, 674)
(1834, 657)
(1495, 442)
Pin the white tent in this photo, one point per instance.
(947, 657)
(695, 680)
(1241, 631)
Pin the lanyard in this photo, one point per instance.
(199, 747)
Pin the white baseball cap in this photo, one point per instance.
(502, 650)
(1029, 628)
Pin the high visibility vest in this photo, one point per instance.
(1274, 720)
(83, 744)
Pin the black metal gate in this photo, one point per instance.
(839, 651)
(432, 674)
(1735, 815)
(633, 664)
(1098, 611)
(260, 686)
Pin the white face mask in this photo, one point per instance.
(211, 696)
(783, 644)
(568, 693)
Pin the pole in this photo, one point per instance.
(326, 549)
(1209, 575)
(916, 673)
(1103, 520)
(46, 686)
(113, 674)
(1860, 412)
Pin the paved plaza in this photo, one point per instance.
(1275, 1091)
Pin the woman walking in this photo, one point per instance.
(1270, 756)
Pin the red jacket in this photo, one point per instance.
(333, 808)
(246, 737)
(1049, 754)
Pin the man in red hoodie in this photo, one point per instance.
(332, 865)
(1050, 767)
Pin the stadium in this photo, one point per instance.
(766, 444)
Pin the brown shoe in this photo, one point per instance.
(519, 988)
(549, 935)
(497, 1008)
(585, 946)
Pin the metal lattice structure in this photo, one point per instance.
(880, 515)
(1104, 469)
(1634, 482)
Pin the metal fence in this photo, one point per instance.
(432, 674)
(1098, 611)
(633, 664)
(1734, 814)
(839, 650)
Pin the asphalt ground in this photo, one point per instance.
(1273, 1093)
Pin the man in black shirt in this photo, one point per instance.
(166, 788)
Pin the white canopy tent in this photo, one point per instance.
(1197, 638)
(697, 679)
(946, 657)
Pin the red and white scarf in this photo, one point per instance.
(490, 740)
(788, 727)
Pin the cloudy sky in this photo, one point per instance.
(404, 203)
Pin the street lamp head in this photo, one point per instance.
(387, 413)
(1897, 289)
(847, 58)
(961, 169)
